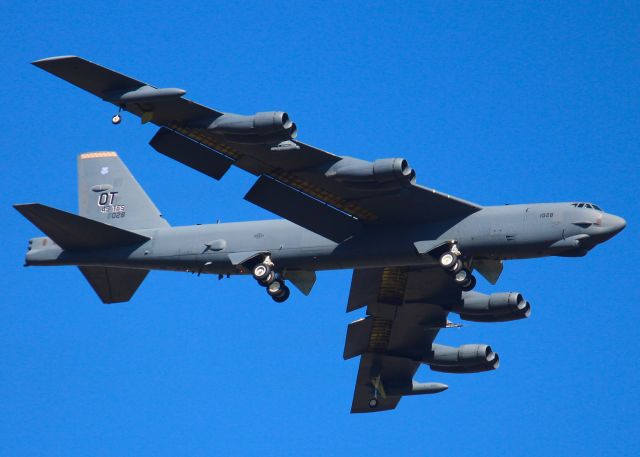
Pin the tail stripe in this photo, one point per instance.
(95, 155)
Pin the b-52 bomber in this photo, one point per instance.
(412, 249)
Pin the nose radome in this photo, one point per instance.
(615, 223)
(620, 223)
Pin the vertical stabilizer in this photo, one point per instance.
(108, 192)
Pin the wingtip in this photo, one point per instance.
(23, 208)
(43, 62)
(20, 205)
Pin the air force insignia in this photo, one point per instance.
(104, 170)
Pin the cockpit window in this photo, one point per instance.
(586, 205)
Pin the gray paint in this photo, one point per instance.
(342, 212)
(489, 233)
(412, 320)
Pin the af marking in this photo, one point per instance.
(105, 202)
(107, 198)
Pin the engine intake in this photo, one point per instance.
(266, 127)
(468, 358)
(360, 173)
(498, 307)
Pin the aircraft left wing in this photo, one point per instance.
(137, 97)
(405, 310)
(334, 196)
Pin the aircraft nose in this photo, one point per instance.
(616, 223)
(613, 224)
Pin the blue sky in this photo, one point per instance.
(494, 102)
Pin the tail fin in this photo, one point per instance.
(72, 232)
(108, 192)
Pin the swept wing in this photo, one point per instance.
(405, 311)
(296, 181)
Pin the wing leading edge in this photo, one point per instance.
(297, 169)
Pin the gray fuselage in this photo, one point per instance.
(496, 232)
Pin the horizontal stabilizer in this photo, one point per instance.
(191, 153)
(72, 232)
(301, 209)
(114, 285)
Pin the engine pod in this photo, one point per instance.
(468, 358)
(497, 307)
(354, 172)
(266, 127)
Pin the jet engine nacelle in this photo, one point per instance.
(267, 127)
(360, 173)
(468, 358)
(498, 307)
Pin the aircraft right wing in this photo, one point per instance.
(406, 308)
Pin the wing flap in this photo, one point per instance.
(362, 291)
(191, 153)
(358, 335)
(373, 286)
(303, 210)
